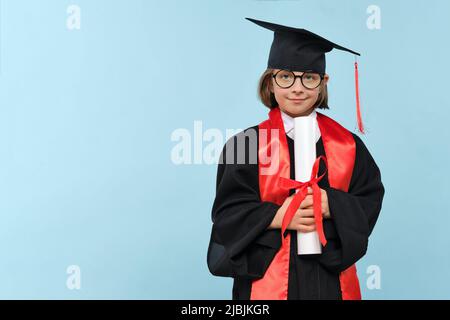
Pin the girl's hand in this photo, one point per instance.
(303, 219)
(325, 207)
(278, 219)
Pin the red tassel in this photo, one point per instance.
(358, 108)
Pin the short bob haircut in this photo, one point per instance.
(268, 98)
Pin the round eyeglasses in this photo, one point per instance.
(285, 79)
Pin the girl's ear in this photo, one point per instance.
(326, 77)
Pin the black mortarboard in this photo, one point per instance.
(297, 49)
(301, 50)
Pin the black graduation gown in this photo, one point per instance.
(242, 247)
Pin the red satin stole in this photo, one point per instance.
(274, 162)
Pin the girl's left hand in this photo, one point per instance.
(325, 208)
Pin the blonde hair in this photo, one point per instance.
(268, 98)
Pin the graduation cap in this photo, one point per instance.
(301, 50)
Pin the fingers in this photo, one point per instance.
(324, 208)
(323, 192)
(307, 221)
(300, 226)
(305, 213)
(307, 202)
(288, 200)
(303, 228)
(303, 221)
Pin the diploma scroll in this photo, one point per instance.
(304, 157)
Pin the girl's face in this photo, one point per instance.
(296, 100)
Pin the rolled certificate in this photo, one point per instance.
(304, 157)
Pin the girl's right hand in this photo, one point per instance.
(303, 219)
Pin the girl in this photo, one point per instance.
(257, 211)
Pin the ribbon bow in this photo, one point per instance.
(302, 191)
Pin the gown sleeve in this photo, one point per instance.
(240, 244)
(354, 213)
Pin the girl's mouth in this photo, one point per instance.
(297, 100)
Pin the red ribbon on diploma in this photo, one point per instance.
(302, 191)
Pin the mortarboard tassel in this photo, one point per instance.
(358, 107)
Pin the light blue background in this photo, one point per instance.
(86, 116)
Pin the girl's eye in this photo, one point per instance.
(286, 76)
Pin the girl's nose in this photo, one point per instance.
(298, 86)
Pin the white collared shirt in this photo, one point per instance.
(288, 123)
